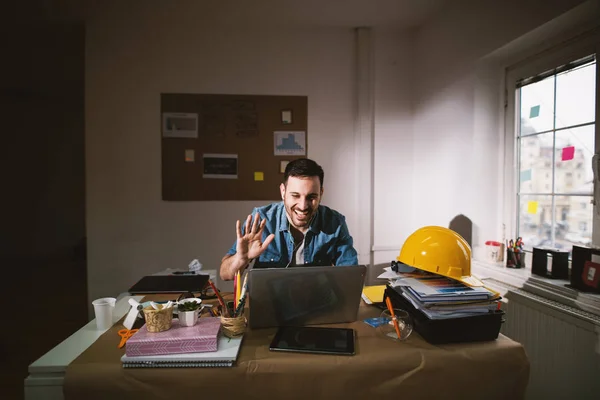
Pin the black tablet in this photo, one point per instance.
(308, 339)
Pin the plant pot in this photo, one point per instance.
(188, 318)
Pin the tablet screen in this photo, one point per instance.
(307, 339)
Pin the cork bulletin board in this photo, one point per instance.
(229, 147)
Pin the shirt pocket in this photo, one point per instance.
(323, 256)
(270, 256)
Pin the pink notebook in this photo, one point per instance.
(199, 338)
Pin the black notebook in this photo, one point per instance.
(169, 284)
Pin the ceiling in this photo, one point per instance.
(400, 14)
(330, 13)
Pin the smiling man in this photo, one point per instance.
(297, 231)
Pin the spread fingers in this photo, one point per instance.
(247, 226)
(238, 229)
(268, 240)
(256, 223)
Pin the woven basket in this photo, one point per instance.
(158, 320)
(233, 327)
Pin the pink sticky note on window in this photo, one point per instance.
(568, 153)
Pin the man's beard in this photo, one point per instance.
(301, 220)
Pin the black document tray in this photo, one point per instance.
(455, 330)
(169, 284)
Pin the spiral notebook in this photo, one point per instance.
(225, 356)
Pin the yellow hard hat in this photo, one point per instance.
(441, 251)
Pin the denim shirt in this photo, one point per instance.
(326, 242)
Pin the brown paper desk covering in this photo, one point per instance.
(381, 369)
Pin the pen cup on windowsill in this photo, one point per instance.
(233, 327)
(515, 259)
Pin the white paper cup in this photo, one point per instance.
(103, 308)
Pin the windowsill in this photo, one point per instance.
(504, 279)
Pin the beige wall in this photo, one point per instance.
(425, 84)
(442, 155)
(131, 58)
(458, 112)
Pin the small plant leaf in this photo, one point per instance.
(188, 306)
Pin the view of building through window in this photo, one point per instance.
(555, 144)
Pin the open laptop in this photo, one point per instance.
(301, 296)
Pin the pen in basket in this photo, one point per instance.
(242, 299)
(221, 301)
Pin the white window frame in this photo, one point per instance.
(534, 61)
(574, 49)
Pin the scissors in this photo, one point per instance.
(126, 334)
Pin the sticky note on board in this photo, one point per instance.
(259, 176)
(534, 112)
(189, 155)
(568, 153)
(525, 175)
(532, 207)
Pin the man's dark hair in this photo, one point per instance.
(303, 167)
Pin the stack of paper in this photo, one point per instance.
(439, 297)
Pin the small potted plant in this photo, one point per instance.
(188, 311)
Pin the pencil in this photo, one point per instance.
(235, 288)
(391, 309)
(244, 287)
(238, 290)
(240, 307)
(221, 301)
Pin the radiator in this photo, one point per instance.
(562, 344)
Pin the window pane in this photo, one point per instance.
(575, 96)
(535, 153)
(535, 221)
(573, 218)
(574, 151)
(537, 107)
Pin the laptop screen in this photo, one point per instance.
(301, 296)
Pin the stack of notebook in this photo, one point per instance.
(200, 345)
(439, 297)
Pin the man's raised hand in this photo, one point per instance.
(250, 244)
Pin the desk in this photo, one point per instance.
(381, 369)
(47, 373)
